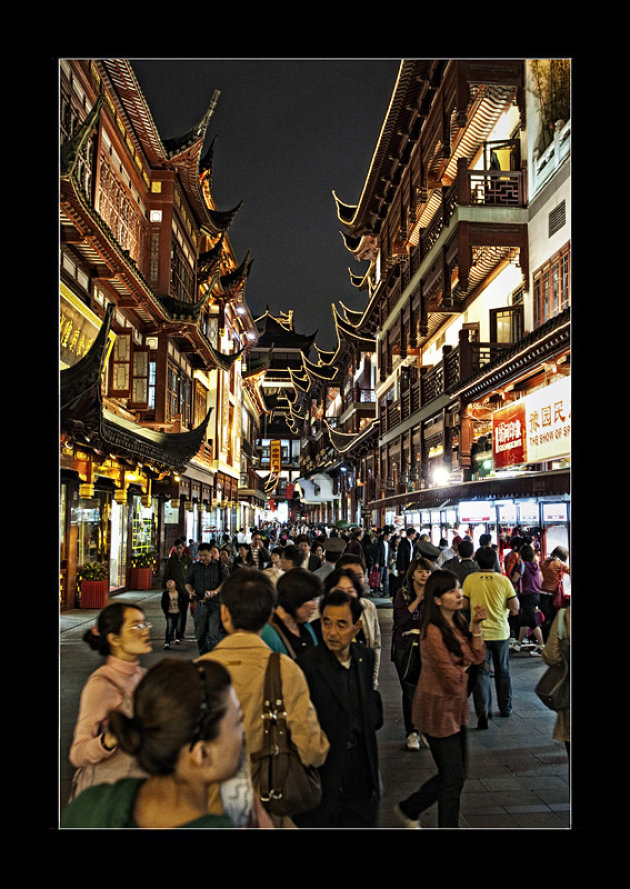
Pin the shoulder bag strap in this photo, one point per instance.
(284, 639)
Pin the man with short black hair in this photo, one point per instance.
(497, 595)
(404, 553)
(260, 554)
(463, 564)
(247, 601)
(339, 675)
(485, 542)
(176, 568)
(310, 561)
(204, 580)
(290, 557)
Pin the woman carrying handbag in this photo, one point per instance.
(406, 640)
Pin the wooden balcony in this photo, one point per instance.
(457, 365)
(357, 398)
(251, 484)
(486, 188)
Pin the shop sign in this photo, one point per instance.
(554, 512)
(528, 512)
(536, 428)
(476, 511)
(507, 512)
(275, 455)
(78, 328)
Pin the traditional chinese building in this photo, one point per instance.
(335, 409)
(280, 347)
(464, 224)
(154, 328)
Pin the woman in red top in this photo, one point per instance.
(440, 708)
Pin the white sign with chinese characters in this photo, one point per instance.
(549, 422)
(534, 428)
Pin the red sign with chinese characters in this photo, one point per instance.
(508, 436)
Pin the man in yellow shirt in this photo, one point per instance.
(495, 592)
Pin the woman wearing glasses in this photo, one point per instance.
(121, 636)
(187, 734)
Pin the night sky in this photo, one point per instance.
(288, 132)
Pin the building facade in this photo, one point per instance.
(463, 227)
(154, 332)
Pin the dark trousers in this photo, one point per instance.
(181, 626)
(408, 690)
(445, 788)
(349, 801)
(172, 622)
(207, 619)
(549, 611)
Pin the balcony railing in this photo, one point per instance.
(457, 364)
(357, 396)
(251, 481)
(471, 188)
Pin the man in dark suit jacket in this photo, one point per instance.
(339, 675)
(405, 551)
(310, 561)
(260, 554)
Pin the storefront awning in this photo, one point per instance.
(520, 485)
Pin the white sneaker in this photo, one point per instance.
(413, 741)
(407, 822)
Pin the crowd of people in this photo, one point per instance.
(183, 744)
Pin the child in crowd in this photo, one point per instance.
(172, 607)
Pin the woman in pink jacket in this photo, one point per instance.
(440, 709)
(121, 635)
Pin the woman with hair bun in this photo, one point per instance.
(121, 636)
(187, 734)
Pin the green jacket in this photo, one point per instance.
(111, 806)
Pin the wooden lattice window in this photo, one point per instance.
(552, 286)
(179, 394)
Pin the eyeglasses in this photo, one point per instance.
(143, 625)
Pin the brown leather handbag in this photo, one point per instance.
(287, 787)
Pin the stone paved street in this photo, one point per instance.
(518, 776)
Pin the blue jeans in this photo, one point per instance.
(450, 756)
(499, 652)
(172, 622)
(207, 620)
(385, 581)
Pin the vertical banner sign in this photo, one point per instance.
(290, 490)
(536, 428)
(275, 454)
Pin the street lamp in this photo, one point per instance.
(440, 476)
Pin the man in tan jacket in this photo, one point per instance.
(247, 600)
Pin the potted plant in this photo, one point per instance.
(141, 574)
(93, 580)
